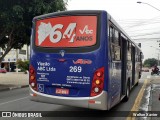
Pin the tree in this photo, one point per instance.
(150, 62)
(16, 20)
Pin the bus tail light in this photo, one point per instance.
(32, 78)
(99, 73)
(97, 82)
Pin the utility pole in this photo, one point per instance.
(16, 60)
(27, 53)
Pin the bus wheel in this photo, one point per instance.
(126, 98)
(137, 83)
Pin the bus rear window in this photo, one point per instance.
(67, 31)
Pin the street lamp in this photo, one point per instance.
(148, 4)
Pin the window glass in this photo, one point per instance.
(117, 53)
(111, 34)
(115, 48)
(116, 40)
(129, 51)
(112, 52)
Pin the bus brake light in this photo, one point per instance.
(99, 74)
(97, 82)
(31, 71)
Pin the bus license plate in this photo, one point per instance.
(62, 91)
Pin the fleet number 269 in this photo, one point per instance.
(75, 69)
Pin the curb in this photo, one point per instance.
(15, 87)
(150, 100)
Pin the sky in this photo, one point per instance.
(140, 21)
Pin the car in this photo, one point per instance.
(3, 70)
(145, 69)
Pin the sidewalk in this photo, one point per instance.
(155, 93)
(13, 80)
(153, 96)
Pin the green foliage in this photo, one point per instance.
(23, 65)
(16, 20)
(150, 62)
(147, 65)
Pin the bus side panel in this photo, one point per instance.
(114, 80)
(137, 66)
(109, 60)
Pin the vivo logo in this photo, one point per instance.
(86, 30)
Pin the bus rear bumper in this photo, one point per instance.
(98, 102)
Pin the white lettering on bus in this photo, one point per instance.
(86, 30)
(45, 30)
(43, 64)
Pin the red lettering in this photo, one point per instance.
(82, 61)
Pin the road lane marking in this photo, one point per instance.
(13, 100)
(138, 100)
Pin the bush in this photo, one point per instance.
(23, 65)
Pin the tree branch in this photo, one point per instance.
(10, 38)
(3, 34)
(5, 53)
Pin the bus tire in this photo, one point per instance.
(126, 98)
(137, 83)
(140, 75)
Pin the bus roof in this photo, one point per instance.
(74, 12)
(70, 12)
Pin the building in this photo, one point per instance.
(9, 62)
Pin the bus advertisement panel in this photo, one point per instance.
(70, 31)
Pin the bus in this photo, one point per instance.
(82, 58)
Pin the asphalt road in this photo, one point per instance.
(18, 100)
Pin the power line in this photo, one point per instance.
(147, 34)
(141, 23)
(157, 18)
(147, 38)
(144, 29)
(132, 23)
